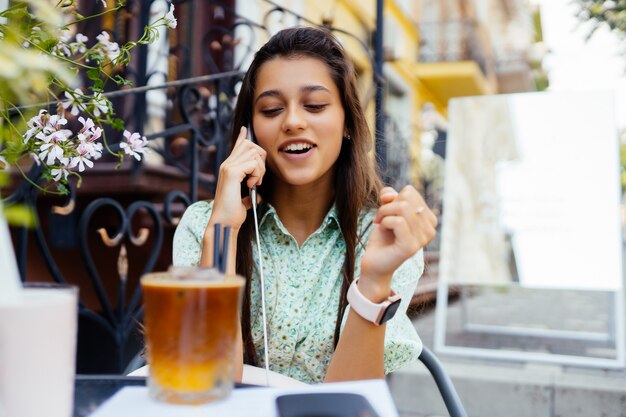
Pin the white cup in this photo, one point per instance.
(38, 351)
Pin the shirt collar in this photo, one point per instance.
(331, 217)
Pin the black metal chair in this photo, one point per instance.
(444, 383)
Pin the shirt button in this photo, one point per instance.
(295, 279)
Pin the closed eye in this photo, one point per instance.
(315, 107)
(271, 112)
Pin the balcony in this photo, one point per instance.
(455, 41)
(455, 60)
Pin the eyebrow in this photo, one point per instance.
(304, 89)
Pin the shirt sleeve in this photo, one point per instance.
(402, 344)
(187, 246)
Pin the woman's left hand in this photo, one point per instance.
(402, 226)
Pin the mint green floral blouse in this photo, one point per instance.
(302, 286)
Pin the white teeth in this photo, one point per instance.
(298, 147)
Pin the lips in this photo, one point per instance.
(297, 147)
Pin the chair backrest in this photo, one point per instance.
(444, 383)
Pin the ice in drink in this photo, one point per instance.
(191, 323)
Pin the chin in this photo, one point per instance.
(301, 177)
(296, 181)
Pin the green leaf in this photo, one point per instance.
(98, 85)
(62, 188)
(119, 80)
(15, 11)
(97, 58)
(21, 215)
(93, 74)
(117, 124)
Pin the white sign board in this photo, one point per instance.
(532, 192)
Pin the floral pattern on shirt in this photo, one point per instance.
(302, 285)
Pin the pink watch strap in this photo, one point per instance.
(365, 308)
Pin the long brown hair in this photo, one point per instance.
(356, 180)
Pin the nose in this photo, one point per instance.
(295, 119)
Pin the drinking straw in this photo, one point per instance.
(216, 245)
(224, 257)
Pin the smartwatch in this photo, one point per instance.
(376, 313)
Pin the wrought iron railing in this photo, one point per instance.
(118, 225)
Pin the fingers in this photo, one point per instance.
(404, 237)
(253, 165)
(247, 201)
(387, 195)
(408, 201)
(241, 137)
(247, 159)
(407, 215)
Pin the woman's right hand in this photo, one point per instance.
(245, 162)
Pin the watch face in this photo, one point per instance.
(390, 311)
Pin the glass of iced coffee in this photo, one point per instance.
(191, 317)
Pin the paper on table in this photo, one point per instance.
(260, 402)
(10, 285)
(257, 376)
(251, 375)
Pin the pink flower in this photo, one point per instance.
(84, 150)
(135, 144)
(170, 19)
(73, 101)
(52, 149)
(60, 172)
(110, 48)
(101, 105)
(36, 125)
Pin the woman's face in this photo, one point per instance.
(298, 118)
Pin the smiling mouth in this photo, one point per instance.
(297, 148)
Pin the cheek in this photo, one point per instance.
(263, 134)
(332, 127)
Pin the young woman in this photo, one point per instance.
(325, 221)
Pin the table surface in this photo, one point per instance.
(90, 391)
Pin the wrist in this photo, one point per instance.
(376, 312)
(226, 216)
(234, 229)
(376, 290)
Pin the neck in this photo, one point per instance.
(302, 208)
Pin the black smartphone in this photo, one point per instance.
(324, 404)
